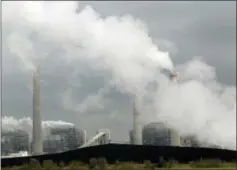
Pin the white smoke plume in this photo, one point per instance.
(197, 105)
(11, 124)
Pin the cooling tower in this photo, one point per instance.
(175, 138)
(37, 144)
(137, 127)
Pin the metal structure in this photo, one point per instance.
(158, 134)
(102, 137)
(57, 139)
(14, 142)
(192, 141)
(37, 144)
(18, 154)
(189, 141)
(64, 138)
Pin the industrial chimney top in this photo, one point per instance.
(173, 75)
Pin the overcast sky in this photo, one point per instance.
(186, 29)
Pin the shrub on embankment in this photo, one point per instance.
(101, 164)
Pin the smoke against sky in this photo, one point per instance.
(207, 108)
(119, 52)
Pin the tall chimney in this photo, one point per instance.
(37, 144)
(173, 77)
(175, 137)
(137, 127)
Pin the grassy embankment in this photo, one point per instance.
(101, 164)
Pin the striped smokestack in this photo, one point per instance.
(37, 144)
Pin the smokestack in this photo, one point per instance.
(84, 138)
(173, 77)
(137, 128)
(37, 144)
(175, 138)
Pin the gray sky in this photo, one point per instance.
(186, 29)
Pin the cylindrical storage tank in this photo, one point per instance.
(175, 138)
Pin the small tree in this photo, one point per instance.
(161, 162)
(75, 165)
(61, 164)
(148, 164)
(49, 164)
(171, 163)
(92, 163)
(208, 163)
(34, 164)
(127, 166)
(117, 162)
(102, 163)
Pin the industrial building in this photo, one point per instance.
(153, 133)
(159, 134)
(14, 142)
(59, 139)
(63, 139)
(189, 141)
(192, 141)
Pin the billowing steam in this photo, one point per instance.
(120, 49)
(11, 124)
(199, 105)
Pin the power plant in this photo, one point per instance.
(58, 139)
(157, 134)
(37, 143)
(67, 138)
(154, 131)
(14, 141)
